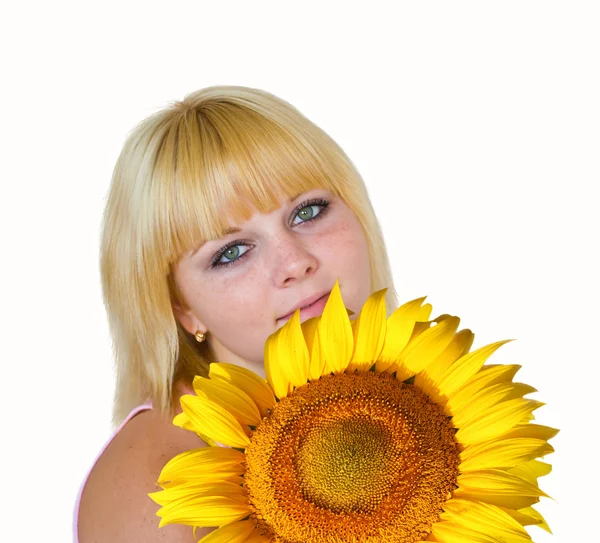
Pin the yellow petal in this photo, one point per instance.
(335, 333)
(527, 417)
(498, 488)
(210, 442)
(424, 349)
(531, 470)
(419, 328)
(202, 465)
(428, 379)
(399, 327)
(236, 532)
(185, 491)
(292, 352)
(309, 327)
(253, 385)
(455, 532)
(317, 366)
(511, 502)
(486, 398)
(276, 377)
(528, 516)
(423, 322)
(484, 518)
(486, 376)
(496, 421)
(369, 331)
(183, 421)
(256, 537)
(506, 453)
(424, 312)
(535, 431)
(464, 368)
(203, 511)
(498, 482)
(231, 398)
(211, 419)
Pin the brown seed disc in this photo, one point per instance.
(348, 458)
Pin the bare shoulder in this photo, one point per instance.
(115, 506)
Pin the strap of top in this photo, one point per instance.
(132, 414)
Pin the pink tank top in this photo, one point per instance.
(133, 413)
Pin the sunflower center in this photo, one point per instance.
(351, 457)
(338, 464)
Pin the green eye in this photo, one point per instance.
(303, 214)
(232, 252)
(304, 211)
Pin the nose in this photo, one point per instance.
(291, 259)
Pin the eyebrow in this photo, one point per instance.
(235, 229)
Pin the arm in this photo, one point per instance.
(115, 506)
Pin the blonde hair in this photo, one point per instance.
(179, 173)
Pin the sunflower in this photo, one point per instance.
(373, 430)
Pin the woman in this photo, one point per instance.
(227, 211)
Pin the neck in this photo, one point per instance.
(218, 353)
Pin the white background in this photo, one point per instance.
(476, 126)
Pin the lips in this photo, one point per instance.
(303, 304)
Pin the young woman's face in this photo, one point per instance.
(238, 294)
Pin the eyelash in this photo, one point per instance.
(317, 201)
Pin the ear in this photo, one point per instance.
(188, 320)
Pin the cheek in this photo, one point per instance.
(235, 302)
(221, 303)
(350, 258)
(349, 247)
(240, 318)
(238, 306)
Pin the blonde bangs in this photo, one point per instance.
(224, 163)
